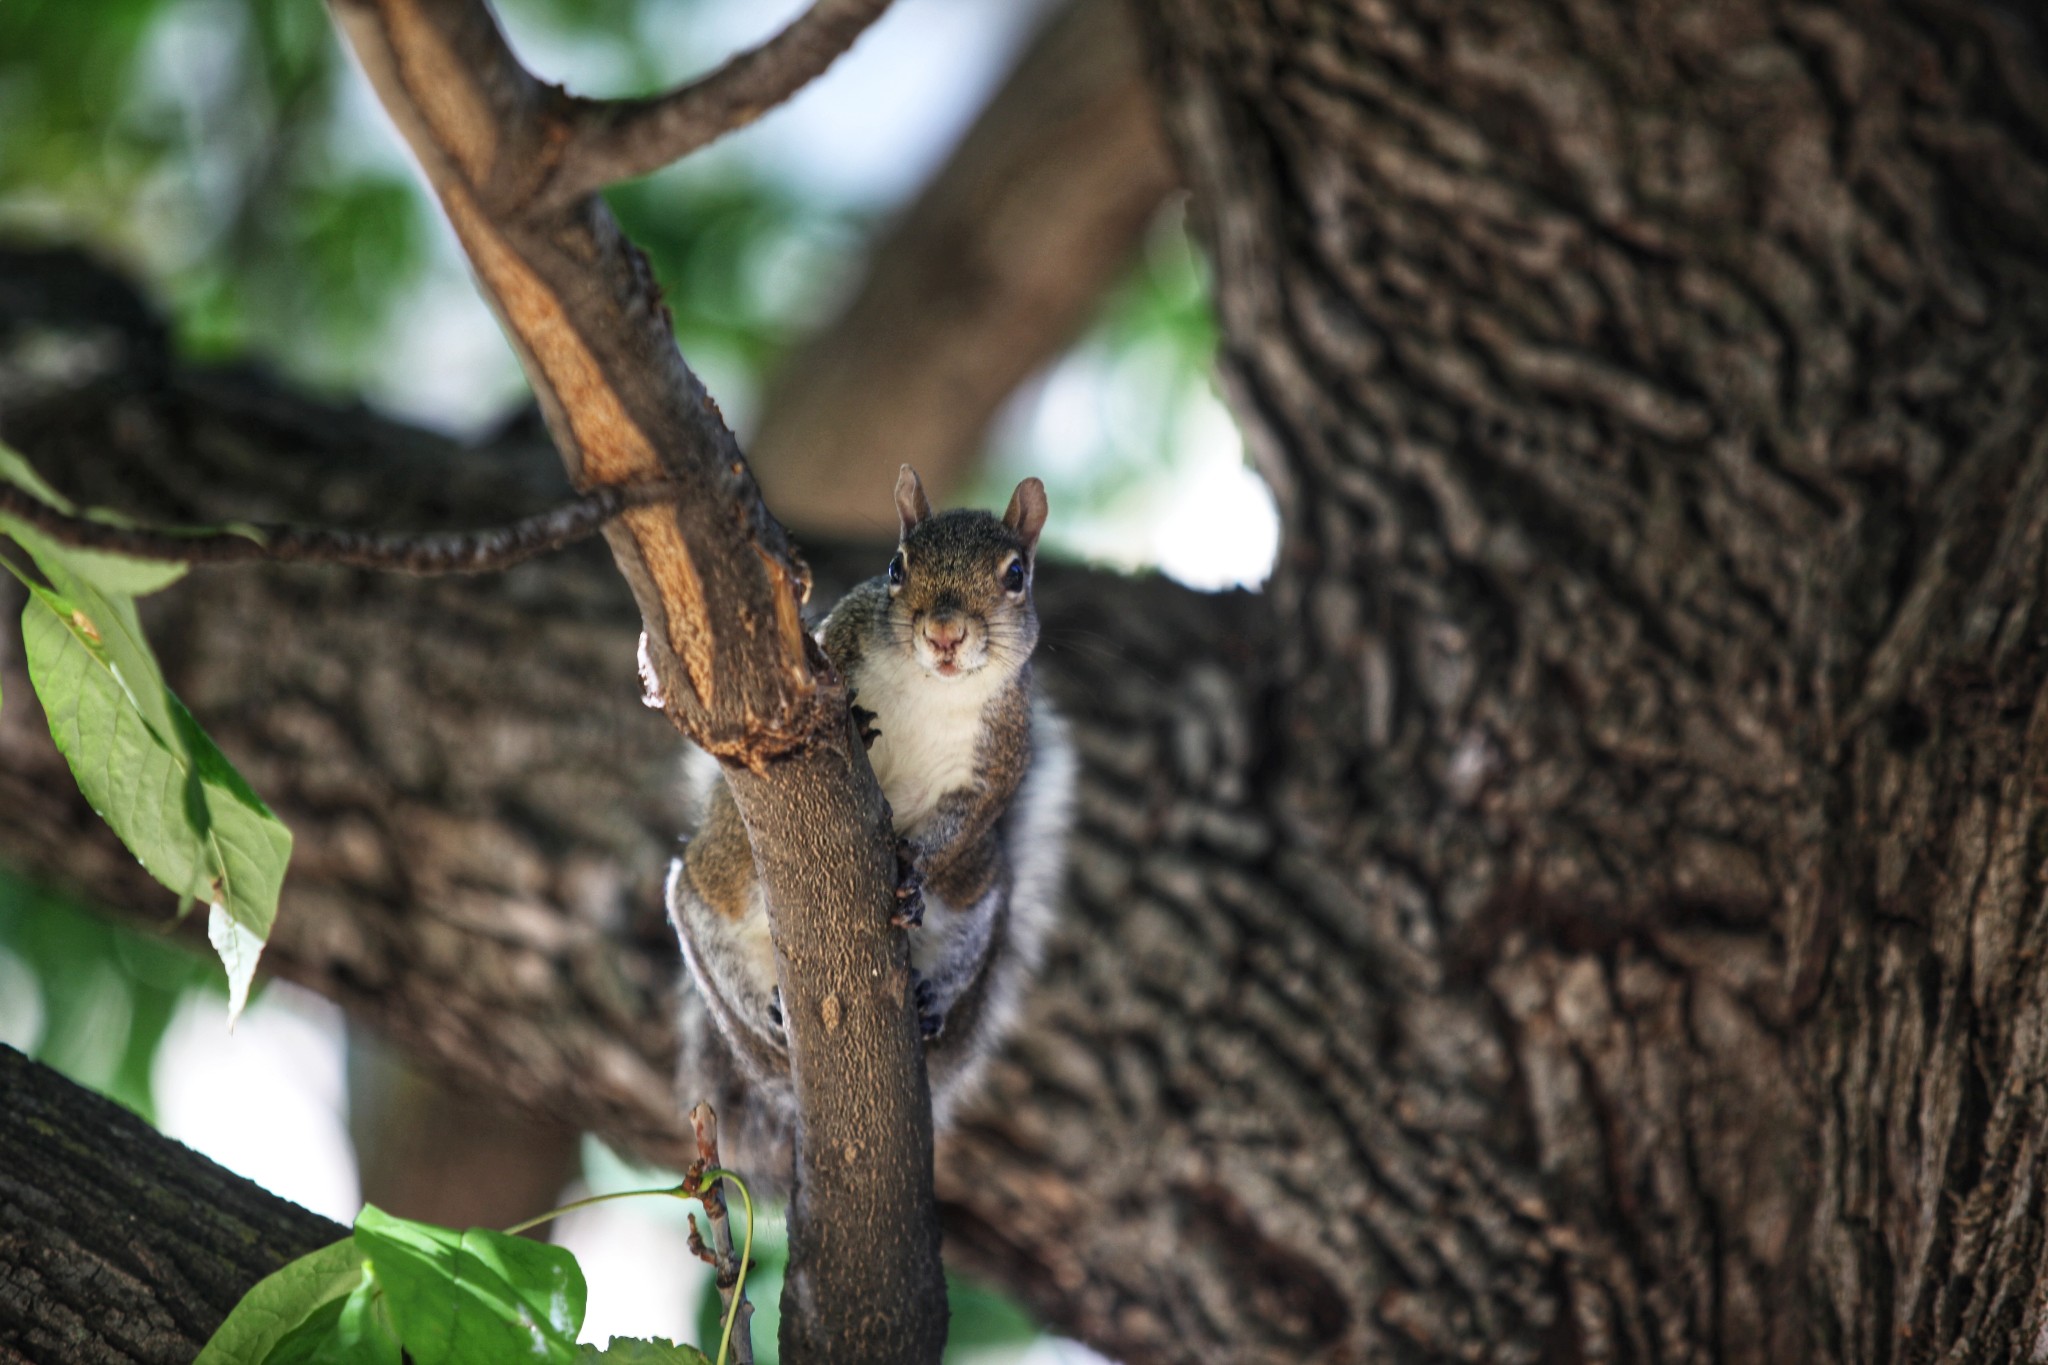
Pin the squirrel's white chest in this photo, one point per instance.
(930, 729)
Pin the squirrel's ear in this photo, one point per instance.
(912, 506)
(1027, 513)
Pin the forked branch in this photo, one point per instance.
(719, 589)
(713, 572)
(614, 140)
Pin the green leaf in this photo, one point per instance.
(239, 948)
(635, 1351)
(22, 475)
(109, 573)
(284, 1301)
(356, 1330)
(151, 772)
(477, 1297)
(365, 1334)
(302, 1344)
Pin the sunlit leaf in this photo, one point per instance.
(152, 774)
(283, 1302)
(477, 1297)
(22, 475)
(356, 1330)
(365, 1334)
(239, 947)
(139, 757)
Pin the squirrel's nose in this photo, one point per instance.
(945, 634)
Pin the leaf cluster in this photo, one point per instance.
(138, 756)
(398, 1289)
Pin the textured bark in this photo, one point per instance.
(987, 274)
(717, 582)
(118, 1245)
(1655, 399)
(1590, 908)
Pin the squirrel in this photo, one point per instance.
(978, 773)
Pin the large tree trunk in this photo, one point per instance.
(117, 1245)
(1590, 909)
(1655, 398)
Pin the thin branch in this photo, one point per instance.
(616, 140)
(719, 589)
(425, 552)
(725, 1262)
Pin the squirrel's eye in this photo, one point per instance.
(896, 571)
(1013, 577)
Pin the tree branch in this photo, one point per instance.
(483, 812)
(1001, 259)
(116, 1243)
(452, 1154)
(614, 140)
(425, 553)
(720, 591)
(721, 1255)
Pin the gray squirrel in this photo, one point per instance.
(979, 776)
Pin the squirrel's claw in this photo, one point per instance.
(775, 1006)
(909, 888)
(863, 720)
(930, 1021)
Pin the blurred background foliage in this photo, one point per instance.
(203, 142)
(225, 154)
(90, 998)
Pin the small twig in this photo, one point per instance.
(426, 552)
(616, 140)
(725, 1262)
(587, 1202)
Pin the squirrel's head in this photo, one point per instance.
(960, 583)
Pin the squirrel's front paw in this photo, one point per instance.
(930, 1020)
(909, 888)
(863, 720)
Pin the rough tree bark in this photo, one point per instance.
(1655, 400)
(1591, 908)
(117, 1244)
